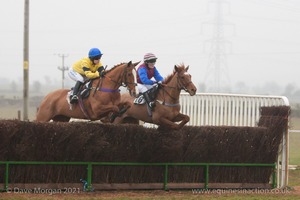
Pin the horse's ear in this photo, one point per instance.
(129, 63)
(175, 68)
(187, 68)
(135, 64)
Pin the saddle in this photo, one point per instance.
(84, 90)
(152, 93)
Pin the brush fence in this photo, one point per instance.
(217, 109)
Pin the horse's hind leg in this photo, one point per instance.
(61, 118)
(43, 116)
(130, 120)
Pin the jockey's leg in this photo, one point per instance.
(74, 97)
(149, 101)
(75, 76)
(144, 90)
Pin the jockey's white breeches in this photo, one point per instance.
(75, 76)
(143, 88)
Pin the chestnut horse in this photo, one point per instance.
(103, 99)
(167, 110)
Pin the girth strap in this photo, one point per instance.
(168, 104)
(81, 105)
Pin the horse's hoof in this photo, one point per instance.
(112, 118)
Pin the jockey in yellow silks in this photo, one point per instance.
(84, 69)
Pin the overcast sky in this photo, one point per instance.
(260, 39)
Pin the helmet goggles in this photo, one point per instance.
(96, 57)
(151, 60)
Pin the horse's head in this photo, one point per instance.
(121, 75)
(128, 79)
(184, 79)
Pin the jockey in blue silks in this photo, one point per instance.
(146, 72)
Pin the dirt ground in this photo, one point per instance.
(154, 194)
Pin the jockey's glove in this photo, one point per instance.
(102, 73)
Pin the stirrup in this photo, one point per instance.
(74, 99)
(151, 105)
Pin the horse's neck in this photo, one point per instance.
(112, 79)
(170, 93)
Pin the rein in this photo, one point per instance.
(165, 91)
(122, 83)
(179, 87)
(99, 82)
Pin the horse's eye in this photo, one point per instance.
(128, 74)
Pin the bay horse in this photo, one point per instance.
(166, 113)
(103, 99)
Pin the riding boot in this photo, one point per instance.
(74, 97)
(149, 101)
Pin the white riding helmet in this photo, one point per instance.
(149, 56)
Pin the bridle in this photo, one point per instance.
(180, 86)
(121, 81)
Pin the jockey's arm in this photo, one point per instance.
(144, 77)
(157, 75)
(101, 71)
(89, 74)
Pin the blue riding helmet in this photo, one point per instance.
(94, 52)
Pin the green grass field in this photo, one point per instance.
(294, 153)
(294, 140)
(294, 123)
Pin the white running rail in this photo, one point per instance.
(226, 109)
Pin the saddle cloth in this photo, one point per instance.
(152, 93)
(139, 100)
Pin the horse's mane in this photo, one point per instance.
(180, 67)
(115, 67)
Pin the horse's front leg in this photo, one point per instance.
(183, 118)
(123, 107)
(171, 124)
(104, 110)
(164, 122)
